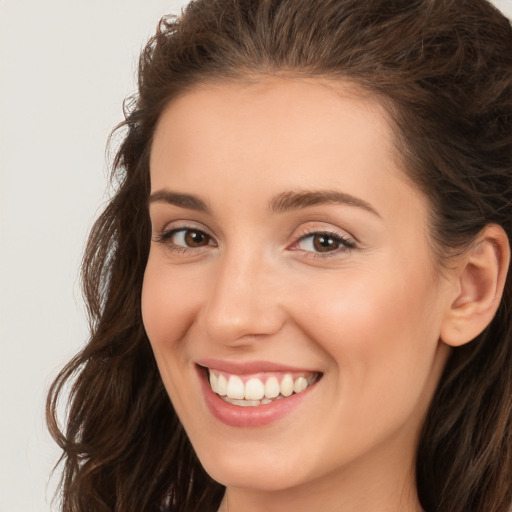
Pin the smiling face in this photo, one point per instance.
(291, 259)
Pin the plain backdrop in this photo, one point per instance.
(65, 68)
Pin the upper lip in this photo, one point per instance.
(250, 367)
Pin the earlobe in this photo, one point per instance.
(479, 279)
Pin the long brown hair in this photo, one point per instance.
(443, 70)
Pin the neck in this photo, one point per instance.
(293, 500)
(385, 485)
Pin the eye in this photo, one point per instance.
(324, 242)
(185, 238)
(190, 238)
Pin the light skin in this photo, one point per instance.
(284, 230)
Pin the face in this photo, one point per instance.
(290, 266)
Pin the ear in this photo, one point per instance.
(478, 278)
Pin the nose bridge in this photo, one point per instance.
(243, 301)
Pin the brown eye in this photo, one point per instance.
(325, 243)
(185, 238)
(194, 238)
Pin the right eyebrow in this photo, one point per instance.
(188, 201)
(296, 200)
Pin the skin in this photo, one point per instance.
(368, 317)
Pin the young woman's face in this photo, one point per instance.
(290, 264)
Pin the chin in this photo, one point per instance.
(257, 473)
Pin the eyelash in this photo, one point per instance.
(165, 238)
(344, 244)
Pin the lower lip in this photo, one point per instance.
(250, 416)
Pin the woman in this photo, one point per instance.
(308, 254)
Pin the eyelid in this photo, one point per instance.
(347, 242)
(177, 225)
(314, 228)
(164, 236)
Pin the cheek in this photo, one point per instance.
(168, 303)
(380, 330)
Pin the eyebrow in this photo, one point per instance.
(188, 201)
(303, 199)
(287, 201)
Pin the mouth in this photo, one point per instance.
(254, 394)
(259, 389)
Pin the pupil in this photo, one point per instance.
(195, 238)
(324, 243)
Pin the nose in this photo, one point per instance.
(244, 303)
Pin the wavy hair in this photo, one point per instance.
(443, 71)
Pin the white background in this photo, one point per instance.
(65, 67)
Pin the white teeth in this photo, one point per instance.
(243, 403)
(222, 385)
(254, 389)
(213, 382)
(300, 384)
(235, 387)
(272, 388)
(254, 392)
(287, 385)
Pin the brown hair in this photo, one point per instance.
(443, 69)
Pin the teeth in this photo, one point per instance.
(300, 384)
(272, 388)
(235, 388)
(222, 385)
(213, 382)
(254, 392)
(243, 403)
(287, 385)
(254, 389)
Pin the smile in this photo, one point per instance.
(258, 389)
(256, 393)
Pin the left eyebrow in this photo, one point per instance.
(188, 201)
(303, 199)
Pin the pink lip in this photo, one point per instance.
(250, 367)
(237, 416)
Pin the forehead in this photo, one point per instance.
(269, 121)
(271, 100)
(278, 134)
